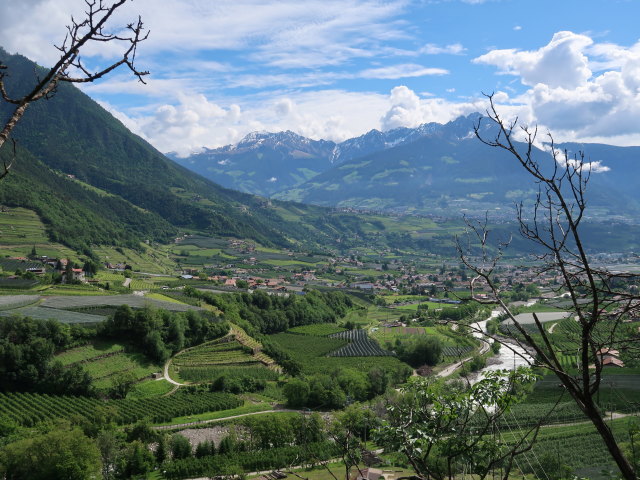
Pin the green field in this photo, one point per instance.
(103, 370)
(103, 360)
(216, 353)
(29, 409)
(577, 446)
(147, 259)
(150, 388)
(311, 352)
(95, 349)
(209, 373)
(619, 391)
(318, 329)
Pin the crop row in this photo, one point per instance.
(317, 329)
(202, 373)
(31, 408)
(456, 351)
(360, 345)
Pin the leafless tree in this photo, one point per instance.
(598, 301)
(70, 67)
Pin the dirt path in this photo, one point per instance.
(453, 367)
(223, 419)
(166, 374)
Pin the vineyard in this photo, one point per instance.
(457, 352)
(9, 302)
(618, 392)
(526, 414)
(210, 373)
(216, 353)
(103, 370)
(29, 409)
(579, 446)
(317, 329)
(89, 352)
(360, 345)
(307, 349)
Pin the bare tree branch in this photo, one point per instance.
(553, 224)
(70, 68)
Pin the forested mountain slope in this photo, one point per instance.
(93, 181)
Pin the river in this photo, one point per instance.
(508, 358)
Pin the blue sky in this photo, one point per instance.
(336, 69)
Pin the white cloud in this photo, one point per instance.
(409, 110)
(568, 98)
(433, 49)
(186, 127)
(195, 122)
(401, 71)
(286, 34)
(517, 28)
(561, 63)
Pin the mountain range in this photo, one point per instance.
(432, 169)
(92, 182)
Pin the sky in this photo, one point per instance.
(335, 69)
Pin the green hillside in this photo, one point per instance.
(123, 191)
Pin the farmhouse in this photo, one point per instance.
(610, 357)
(369, 474)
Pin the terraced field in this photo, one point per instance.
(236, 353)
(216, 353)
(104, 369)
(103, 360)
(89, 352)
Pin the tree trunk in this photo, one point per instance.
(612, 445)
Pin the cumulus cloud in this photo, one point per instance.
(186, 127)
(194, 121)
(578, 89)
(565, 159)
(561, 63)
(407, 109)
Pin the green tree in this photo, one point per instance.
(425, 350)
(121, 384)
(162, 452)
(296, 391)
(58, 455)
(436, 426)
(138, 460)
(179, 446)
(110, 446)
